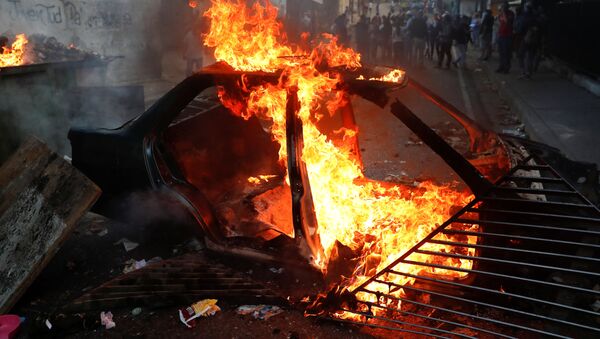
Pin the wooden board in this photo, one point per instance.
(42, 197)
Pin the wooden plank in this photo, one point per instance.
(42, 197)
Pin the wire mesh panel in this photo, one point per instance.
(521, 260)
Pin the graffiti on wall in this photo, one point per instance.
(101, 15)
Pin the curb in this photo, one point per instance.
(581, 80)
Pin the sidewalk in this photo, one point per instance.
(554, 110)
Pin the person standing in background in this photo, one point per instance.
(461, 37)
(339, 29)
(398, 40)
(362, 36)
(487, 28)
(475, 26)
(445, 41)
(373, 35)
(433, 30)
(386, 38)
(530, 32)
(417, 30)
(505, 34)
(193, 49)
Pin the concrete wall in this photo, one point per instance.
(127, 28)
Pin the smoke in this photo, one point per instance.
(138, 43)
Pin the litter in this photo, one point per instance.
(136, 311)
(48, 324)
(106, 319)
(202, 308)
(128, 244)
(275, 270)
(132, 264)
(596, 306)
(260, 312)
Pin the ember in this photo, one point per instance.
(376, 220)
(14, 55)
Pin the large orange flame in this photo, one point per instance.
(14, 56)
(378, 220)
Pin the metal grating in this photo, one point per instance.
(176, 281)
(535, 267)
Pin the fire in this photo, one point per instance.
(395, 75)
(193, 3)
(261, 178)
(14, 56)
(377, 220)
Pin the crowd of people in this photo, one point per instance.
(408, 38)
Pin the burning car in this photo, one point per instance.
(261, 149)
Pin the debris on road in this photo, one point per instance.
(106, 319)
(202, 308)
(127, 244)
(132, 264)
(260, 312)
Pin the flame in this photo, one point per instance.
(193, 3)
(395, 76)
(261, 178)
(375, 219)
(14, 56)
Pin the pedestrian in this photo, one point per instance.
(373, 35)
(362, 36)
(445, 41)
(517, 29)
(339, 29)
(385, 38)
(193, 49)
(433, 30)
(417, 29)
(530, 32)
(461, 37)
(408, 41)
(505, 34)
(475, 27)
(398, 41)
(487, 28)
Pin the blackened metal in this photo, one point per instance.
(303, 211)
(478, 184)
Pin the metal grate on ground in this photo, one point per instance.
(535, 267)
(176, 281)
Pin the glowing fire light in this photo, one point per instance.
(395, 75)
(193, 3)
(261, 178)
(14, 56)
(377, 220)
